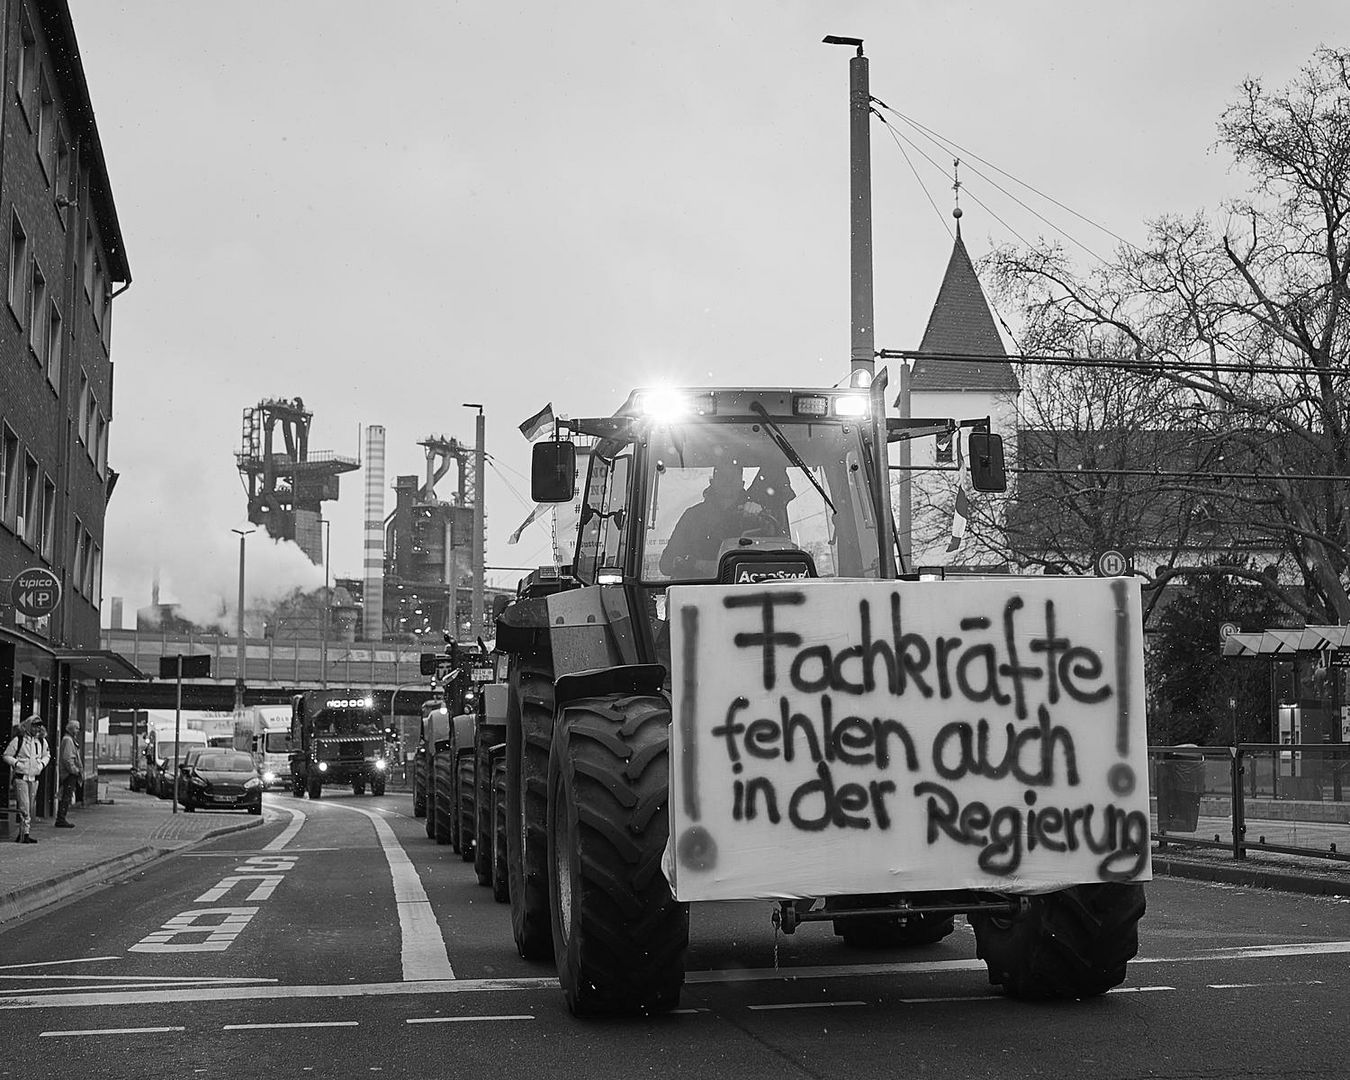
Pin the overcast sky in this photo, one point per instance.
(391, 209)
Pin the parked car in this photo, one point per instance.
(216, 779)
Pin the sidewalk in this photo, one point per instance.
(109, 839)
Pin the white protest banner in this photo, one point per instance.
(863, 737)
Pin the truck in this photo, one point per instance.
(265, 732)
(738, 691)
(337, 737)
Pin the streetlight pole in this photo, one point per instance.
(239, 626)
(477, 558)
(327, 605)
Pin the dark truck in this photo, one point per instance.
(337, 737)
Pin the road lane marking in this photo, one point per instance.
(54, 963)
(951, 997)
(1138, 989)
(422, 951)
(464, 1019)
(806, 1005)
(470, 986)
(1250, 985)
(223, 980)
(288, 833)
(219, 935)
(110, 1031)
(1252, 952)
(177, 983)
(299, 1024)
(290, 852)
(266, 885)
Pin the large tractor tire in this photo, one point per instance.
(297, 785)
(419, 791)
(314, 785)
(501, 875)
(1074, 943)
(444, 770)
(464, 798)
(619, 934)
(377, 785)
(529, 731)
(887, 931)
(429, 786)
(483, 819)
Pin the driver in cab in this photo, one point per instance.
(726, 512)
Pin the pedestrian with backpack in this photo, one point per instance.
(26, 755)
(71, 768)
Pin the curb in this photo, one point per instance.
(1254, 876)
(25, 900)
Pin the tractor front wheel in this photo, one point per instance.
(619, 935)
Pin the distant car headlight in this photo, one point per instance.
(323, 766)
(269, 777)
(251, 783)
(380, 764)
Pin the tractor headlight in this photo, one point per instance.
(380, 764)
(269, 777)
(323, 766)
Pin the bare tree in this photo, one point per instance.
(1245, 325)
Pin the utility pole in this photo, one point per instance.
(477, 555)
(240, 644)
(863, 354)
(327, 606)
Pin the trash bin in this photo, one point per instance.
(1181, 779)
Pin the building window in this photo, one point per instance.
(101, 462)
(105, 328)
(62, 192)
(95, 575)
(81, 555)
(18, 267)
(25, 522)
(90, 261)
(47, 528)
(100, 294)
(26, 82)
(54, 348)
(9, 476)
(46, 127)
(37, 312)
(82, 417)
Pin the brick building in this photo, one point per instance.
(64, 263)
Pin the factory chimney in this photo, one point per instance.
(373, 624)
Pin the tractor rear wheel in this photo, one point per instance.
(419, 791)
(464, 797)
(619, 934)
(529, 731)
(501, 878)
(1073, 943)
(483, 820)
(445, 806)
(315, 785)
(429, 786)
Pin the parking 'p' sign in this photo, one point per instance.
(36, 592)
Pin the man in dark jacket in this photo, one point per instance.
(71, 766)
(725, 513)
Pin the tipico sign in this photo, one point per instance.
(864, 737)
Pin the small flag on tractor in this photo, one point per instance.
(539, 423)
(535, 515)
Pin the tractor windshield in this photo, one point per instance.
(795, 479)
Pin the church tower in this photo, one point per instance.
(963, 372)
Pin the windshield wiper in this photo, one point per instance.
(789, 451)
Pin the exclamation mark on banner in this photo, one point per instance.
(695, 847)
(1121, 776)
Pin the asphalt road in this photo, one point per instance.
(337, 940)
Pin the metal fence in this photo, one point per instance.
(1292, 799)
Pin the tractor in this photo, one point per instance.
(738, 691)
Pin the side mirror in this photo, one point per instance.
(553, 471)
(987, 472)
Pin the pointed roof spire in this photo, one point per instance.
(961, 324)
